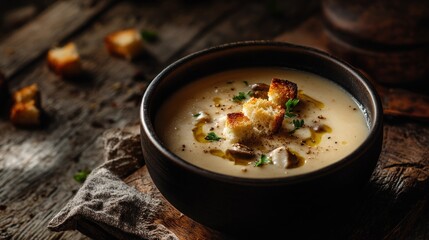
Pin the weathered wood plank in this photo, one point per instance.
(51, 27)
(18, 13)
(37, 167)
(394, 203)
(255, 21)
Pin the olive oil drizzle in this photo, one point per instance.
(216, 101)
(305, 97)
(198, 132)
(316, 135)
(222, 154)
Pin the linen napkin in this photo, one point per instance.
(107, 208)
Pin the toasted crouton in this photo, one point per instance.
(281, 91)
(26, 110)
(238, 128)
(126, 43)
(26, 94)
(65, 61)
(25, 114)
(266, 116)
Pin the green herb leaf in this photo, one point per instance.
(297, 124)
(290, 115)
(246, 83)
(81, 175)
(240, 97)
(290, 104)
(196, 115)
(212, 137)
(149, 36)
(262, 161)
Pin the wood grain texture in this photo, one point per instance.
(37, 166)
(254, 21)
(51, 27)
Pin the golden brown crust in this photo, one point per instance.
(26, 94)
(25, 114)
(125, 43)
(281, 91)
(26, 110)
(65, 61)
(238, 128)
(236, 119)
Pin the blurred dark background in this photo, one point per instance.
(14, 14)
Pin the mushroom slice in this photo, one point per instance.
(260, 90)
(260, 87)
(279, 156)
(241, 151)
(284, 158)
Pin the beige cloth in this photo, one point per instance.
(107, 208)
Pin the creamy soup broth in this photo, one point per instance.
(324, 106)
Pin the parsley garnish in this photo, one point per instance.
(149, 36)
(81, 175)
(212, 137)
(246, 83)
(290, 104)
(262, 161)
(297, 124)
(196, 115)
(240, 97)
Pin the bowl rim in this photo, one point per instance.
(376, 120)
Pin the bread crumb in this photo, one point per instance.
(126, 43)
(266, 116)
(26, 110)
(25, 114)
(238, 128)
(65, 61)
(281, 91)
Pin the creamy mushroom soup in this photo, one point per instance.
(324, 126)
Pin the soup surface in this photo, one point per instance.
(329, 124)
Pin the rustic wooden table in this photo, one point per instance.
(37, 166)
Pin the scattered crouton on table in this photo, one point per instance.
(127, 43)
(65, 61)
(26, 110)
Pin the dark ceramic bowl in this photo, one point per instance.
(237, 204)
